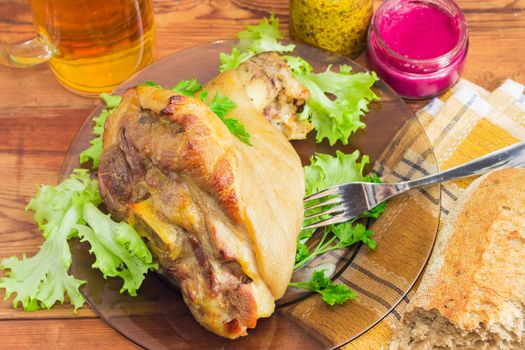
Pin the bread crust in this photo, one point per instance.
(473, 292)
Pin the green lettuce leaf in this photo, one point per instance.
(42, 280)
(263, 37)
(119, 250)
(110, 100)
(326, 171)
(52, 202)
(233, 59)
(94, 151)
(62, 212)
(337, 100)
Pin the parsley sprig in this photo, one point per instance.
(332, 293)
(334, 237)
(323, 172)
(187, 87)
(220, 105)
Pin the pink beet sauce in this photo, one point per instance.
(419, 31)
(418, 46)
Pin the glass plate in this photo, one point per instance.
(398, 147)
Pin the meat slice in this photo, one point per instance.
(271, 87)
(220, 216)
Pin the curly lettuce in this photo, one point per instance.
(263, 37)
(337, 100)
(94, 151)
(62, 212)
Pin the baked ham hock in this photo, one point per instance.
(220, 216)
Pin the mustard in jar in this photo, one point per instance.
(334, 25)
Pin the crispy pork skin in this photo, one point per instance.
(221, 216)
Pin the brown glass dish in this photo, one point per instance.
(398, 148)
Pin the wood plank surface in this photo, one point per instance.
(59, 333)
(39, 118)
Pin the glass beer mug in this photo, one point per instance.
(91, 45)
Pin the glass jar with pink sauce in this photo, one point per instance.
(418, 47)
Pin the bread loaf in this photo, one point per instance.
(472, 295)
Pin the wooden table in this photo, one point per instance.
(39, 118)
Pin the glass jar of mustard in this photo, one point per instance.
(334, 25)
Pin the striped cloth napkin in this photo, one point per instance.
(465, 123)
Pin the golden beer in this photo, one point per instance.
(96, 44)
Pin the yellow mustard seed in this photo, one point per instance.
(334, 25)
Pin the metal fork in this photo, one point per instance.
(348, 201)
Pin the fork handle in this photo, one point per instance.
(512, 156)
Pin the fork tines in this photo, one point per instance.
(329, 197)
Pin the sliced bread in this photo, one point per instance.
(472, 295)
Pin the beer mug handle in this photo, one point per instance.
(26, 54)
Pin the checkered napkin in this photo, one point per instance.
(465, 123)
